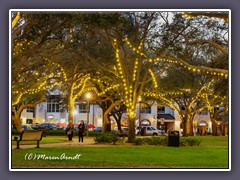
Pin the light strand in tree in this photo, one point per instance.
(128, 89)
(202, 69)
(83, 84)
(159, 96)
(20, 46)
(108, 89)
(87, 76)
(212, 15)
(41, 87)
(16, 19)
(153, 78)
(135, 69)
(17, 100)
(136, 50)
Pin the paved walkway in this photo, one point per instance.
(87, 142)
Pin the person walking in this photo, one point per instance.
(70, 130)
(81, 128)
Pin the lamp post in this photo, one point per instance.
(139, 113)
(74, 115)
(88, 97)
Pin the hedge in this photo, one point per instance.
(184, 141)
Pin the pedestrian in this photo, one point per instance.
(81, 128)
(70, 130)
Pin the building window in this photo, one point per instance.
(82, 108)
(161, 109)
(29, 121)
(53, 104)
(30, 109)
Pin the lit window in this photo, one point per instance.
(53, 104)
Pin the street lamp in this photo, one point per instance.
(74, 115)
(88, 97)
(139, 115)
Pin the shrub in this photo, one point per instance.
(189, 141)
(138, 141)
(158, 141)
(121, 134)
(184, 141)
(108, 138)
(150, 141)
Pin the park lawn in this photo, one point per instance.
(45, 140)
(212, 153)
(213, 141)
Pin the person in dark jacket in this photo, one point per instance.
(81, 128)
(70, 131)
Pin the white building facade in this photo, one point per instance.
(163, 118)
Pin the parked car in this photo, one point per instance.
(98, 129)
(35, 126)
(27, 128)
(48, 126)
(149, 131)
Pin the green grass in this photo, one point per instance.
(214, 141)
(45, 140)
(212, 153)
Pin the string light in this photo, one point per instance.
(135, 69)
(200, 69)
(83, 84)
(154, 79)
(204, 14)
(108, 89)
(17, 100)
(44, 85)
(16, 19)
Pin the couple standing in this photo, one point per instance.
(70, 131)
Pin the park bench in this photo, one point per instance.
(30, 136)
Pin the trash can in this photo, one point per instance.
(173, 138)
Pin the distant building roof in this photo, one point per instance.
(165, 116)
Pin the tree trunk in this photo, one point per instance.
(70, 110)
(119, 126)
(131, 129)
(106, 117)
(71, 103)
(191, 127)
(214, 128)
(184, 123)
(106, 122)
(118, 120)
(16, 122)
(109, 128)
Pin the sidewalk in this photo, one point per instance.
(87, 142)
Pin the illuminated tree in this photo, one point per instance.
(17, 110)
(16, 18)
(205, 36)
(201, 47)
(217, 103)
(32, 73)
